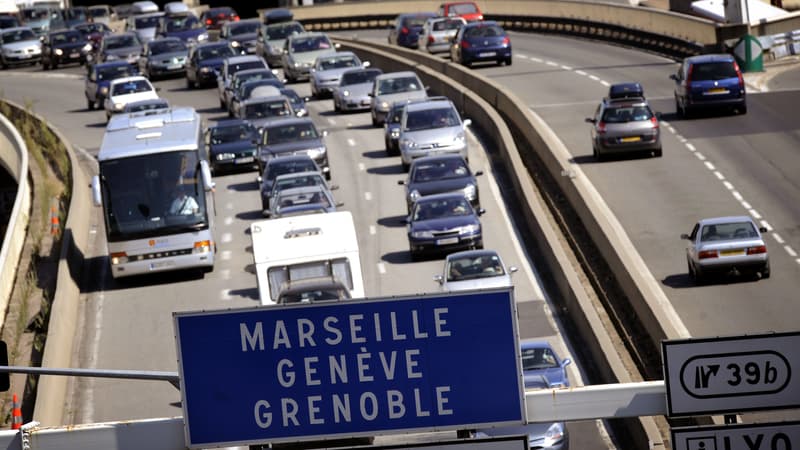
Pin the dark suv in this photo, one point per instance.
(709, 81)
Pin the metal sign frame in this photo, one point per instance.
(709, 437)
(235, 391)
(732, 374)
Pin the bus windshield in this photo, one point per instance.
(153, 195)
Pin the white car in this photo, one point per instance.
(126, 90)
(474, 269)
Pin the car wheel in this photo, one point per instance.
(45, 66)
(415, 256)
(189, 84)
(508, 61)
(405, 166)
(597, 155)
(89, 104)
(696, 276)
(54, 66)
(678, 110)
(657, 152)
(499, 62)
(222, 104)
(375, 122)
(742, 109)
(765, 272)
(336, 107)
(466, 63)
(3, 63)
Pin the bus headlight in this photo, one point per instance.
(118, 258)
(202, 247)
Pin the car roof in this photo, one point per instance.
(725, 219)
(242, 58)
(314, 188)
(128, 79)
(434, 158)
(213, 44)
(337, 55)
(13, 29)
(404, 73)
(290, 121)
(717, 57)
(103, 65)
(288, 159)
(418, 14)
(471, 254)
(482, 23)
(249, 71)
(429, 104)
(230, 123)
(534, 343)
(306, 34)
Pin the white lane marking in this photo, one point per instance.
(522, 56)
(225, 295)
(226, 237)
(566, 67)
(700, 156)
(373, 230)
(790, 251)
(536, 59)
(737, 195)
(755, 214)
(580, 72)
(746, 205)
(225, 274)
(778, 238)
(351, 142)
(361, 167)
(229, 206)
(228, 220)
(671, 129)
(709, 166)
(766, 225)
(728, 185)
(719, 175)
(225, 255)
(594, 77)
(331, 121)
(690, 147)
(381, 268)
(367, 195)
(605, 83)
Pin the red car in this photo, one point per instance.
(468, 10)
(213, 18)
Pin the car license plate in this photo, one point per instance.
(447, 241)
(74, 55)
(365, 102)
(25, 56)
(631, 139)
(738, 252)
(244, 160)
(716, 91)
(487, 54)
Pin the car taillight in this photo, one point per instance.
(506, 40)
(601, 128)
(654, 121)
(706, 254)
(235, 18)
(404, 30)
(738, 73)
(208, 21)
(757, 250)
(430, 40)
(465, 44)
(689, 75)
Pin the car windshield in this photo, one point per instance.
(303, 197)
(8, 22)
(538, 358)
(242, 78)
(94, 27)
(233, 68)
(214, 51)
(463, 8)
(114, 72)
(18, 36)
(181, 23)
(310, 44)
(290, 133)
(713, 71)
(441, 208)
(728, 231)
(167, 46)
(131, 87)
(284, 167)
(313, 179)
(484, 31)
(113, 43)
(447, 24)
(424, 172)
(66, 37)
(146, 22)
(472, 267)
(98, 12)
(291, 95)
(244, 28)
(234, 133)
(359, 77)
(282, 31)
(75, 14)
(427, 119)
(625, 114)
(414, 21)
(338, 62)
(398, 85)
(148, 106)
(261, 110)
(35, 14)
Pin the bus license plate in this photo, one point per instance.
(447, 241)
(160, 265)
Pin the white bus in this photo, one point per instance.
(301, 248)
(156, 192)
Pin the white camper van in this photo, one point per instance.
(297, 249)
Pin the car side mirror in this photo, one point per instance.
(333, 187)
(481, 211)
(673, 76)
(512, 269)
(401, 182)
(762, 229)
(366, 64)
(439, 279)
(427, 88)
(158, 88)
(467, 122)
(566, 362)
(685, 236)
(371, 94)
(590, 120)
(478, 173)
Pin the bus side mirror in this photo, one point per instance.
(206, 173)
(97, 199)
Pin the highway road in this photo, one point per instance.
(711, 166)
(128, 325)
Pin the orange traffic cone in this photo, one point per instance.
(16, 414)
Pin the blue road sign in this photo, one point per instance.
(349, 369)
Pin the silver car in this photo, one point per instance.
(474, 269)
(19, 45)
(438, 32)
(352, 93)
(272, 39)
(301, 200)
(242, 34)
(726, 245)
(328, 69)
(392, 87)
(293, 180)
(229, 68)
(163, 56)
(431, 128)
(624, 126)
(300, 52)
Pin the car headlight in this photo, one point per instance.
(469, 191)
(384, 106)
(297, 65)
(225, 156)
(119, 106)
(133, 56)
(275, 49)
(315, 153)
(554, 435)
(422, 234)
(395, 133)
(206, 70)
(104, 90)
(59, 52)
(460, 137)
(235, 44)
(469, 229)
(202, 37)
(87, 48)
(413, 195)
(407, 143)
(111, 57)
(346, 93)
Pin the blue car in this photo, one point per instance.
(205, 62)
(232, 144)
(481, 42)
(186, 27)
(709, 81)
(98, 79)
(443, 223)
(406, 29)
(539, 359)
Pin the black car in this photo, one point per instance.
(294, 136)
(205, 60)
(442, 223)
(64, 47)
(281, 165)
(232, 144)
(8, 21)
(439, 174)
